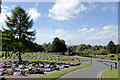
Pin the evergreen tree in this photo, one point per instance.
(19, 24)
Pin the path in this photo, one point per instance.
(90, 72)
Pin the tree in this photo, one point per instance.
(81, 48)
(8, 41)
(104, 52)
(58, 45)
(19, 24)
(69, 49)
(63, 47)
(47, 47)
(86, 52)
(5, 42)
(97, 47)
(118, 48)
(40, 48)
(89, 46)
(111, 47)
(36, 48)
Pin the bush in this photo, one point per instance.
(118, 57)
(104, 52)
(111, 55)
(86, 52)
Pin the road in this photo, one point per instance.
(90, 72)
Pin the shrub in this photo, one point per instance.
(86, 52)
(118, 57)
(104, 52)
(111, 55)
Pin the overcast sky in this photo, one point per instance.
(75, 22)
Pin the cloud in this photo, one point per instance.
(95, 36)
(36, 5)
(91, 6)
(108, 30)
(105, 30)
(87, 35)
(59, 33)
(104, 8)
(33, 12)
(111, 8)
(84, 29)
(92, 29)
(4, 13)
(87, 30)
(66, 9)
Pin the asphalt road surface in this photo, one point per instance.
(90, 72)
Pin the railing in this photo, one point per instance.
(107, 63)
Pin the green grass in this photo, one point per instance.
(57, 74)
(36, 54)
(111, 73)
(46, 56)
(46, 60)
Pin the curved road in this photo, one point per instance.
(90, 72)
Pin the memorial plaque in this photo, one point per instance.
(1, 73)
(47, 69)
(61, 67)
(17, 74)
(1, 70)
(17, 69)
(38, 57)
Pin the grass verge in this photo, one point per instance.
(100, 59)
(57, 74)
(111, 73)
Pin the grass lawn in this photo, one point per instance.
(111, 73)
(36, 54)
(46, 60)
(57, 74)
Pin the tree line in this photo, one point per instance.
(111, 48)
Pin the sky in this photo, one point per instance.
(94, 23)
